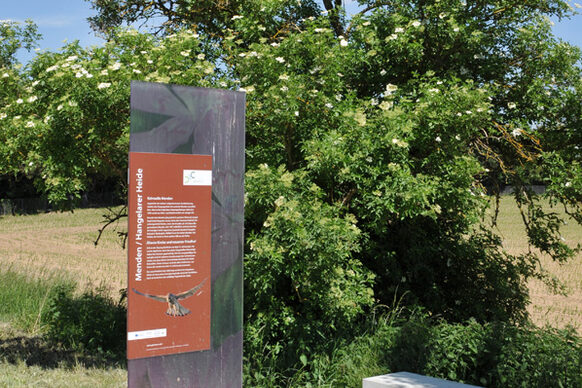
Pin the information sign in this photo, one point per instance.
(169, 270)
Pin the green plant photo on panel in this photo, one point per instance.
(374, 144)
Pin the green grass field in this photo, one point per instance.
(37, 252)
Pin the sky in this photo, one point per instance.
(60, 20)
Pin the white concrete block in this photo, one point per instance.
(410, 380)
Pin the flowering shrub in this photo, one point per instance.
(373, 143)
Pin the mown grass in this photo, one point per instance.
(22, 375)
(546, 307)
(63, 243)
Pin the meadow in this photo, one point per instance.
(547, 308)
(38, 252)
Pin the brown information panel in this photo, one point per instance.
(169, 246)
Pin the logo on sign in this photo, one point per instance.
(197, 177)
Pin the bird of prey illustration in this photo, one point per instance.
(175, 309)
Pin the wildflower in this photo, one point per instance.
(280, 201)
(383, 72)
(284, 88)
(275, 44)
(392, 37)
(338, 97)
(568, 184)
(329, 105)
(136, 71)
(72, 58)
(185, 53)
(250, 89)
(511, 105)
(438, 139)
(343, 42)
(52, 68)
(416, 23)
(235, 17)
(516, 132)
(201, 56)
(60, 107)
(5, 75)
(148, 61)
(398, 30)
(374, 101)
(390, 88)
(468, 112)
(19, 101)
(296, 113)
(115, 66)
(3, 116)
(104, 72)
(280, 59)
(32, 99)
(434, 90)
(442, 15)
(385, 105)
(284, 77)
(79, 74)
(103, 85)
(457, 137)
(73, 103)
(35, 83)
(30, 124)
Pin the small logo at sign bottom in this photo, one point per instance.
(146, 334)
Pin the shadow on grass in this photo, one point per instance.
(37, 351)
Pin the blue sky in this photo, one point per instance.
(58, 20)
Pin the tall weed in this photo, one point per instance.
(23, 299)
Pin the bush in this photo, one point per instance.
(91, 321)
(491, 355)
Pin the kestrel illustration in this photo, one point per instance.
(175, 309)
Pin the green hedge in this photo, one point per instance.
(490, 355)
